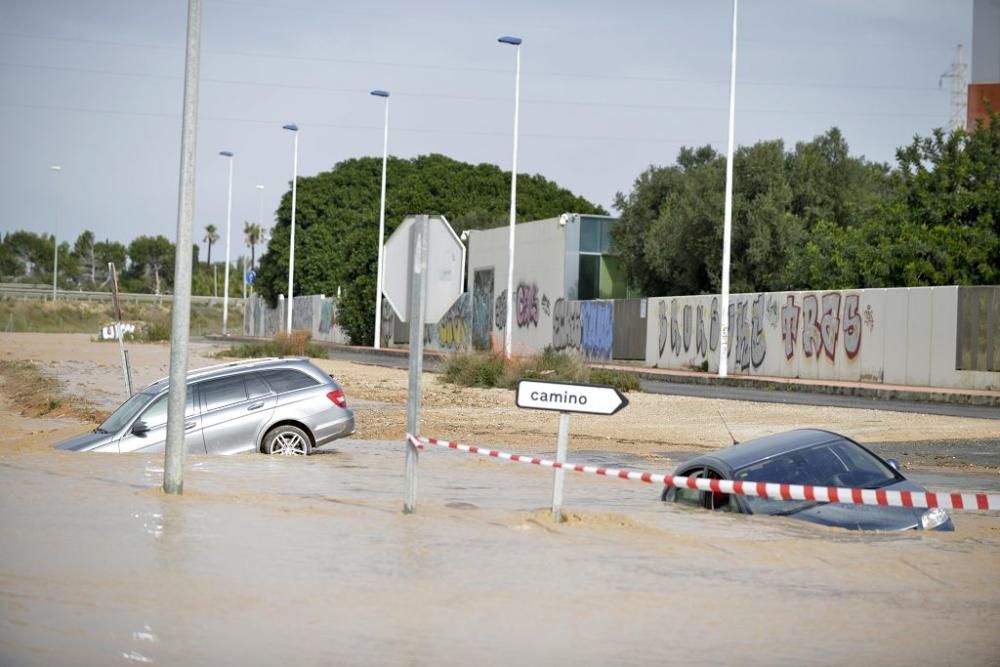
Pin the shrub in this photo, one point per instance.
(623, 381)
(489, 369)
(294, 344)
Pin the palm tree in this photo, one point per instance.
(251, 234)
(211, 236)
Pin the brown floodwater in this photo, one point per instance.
(311, 561)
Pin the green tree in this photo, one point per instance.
(109, 252)
(83, 252)
(336, 219)
(211, 236)
(150, 257)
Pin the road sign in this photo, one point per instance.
(445, 277)
(569, 397)
(251, 276)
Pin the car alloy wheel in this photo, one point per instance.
(287, 441)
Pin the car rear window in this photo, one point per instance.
(285, 380)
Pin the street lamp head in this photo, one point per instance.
(226, 153)
(55, 167)
(291, 126)
(380, 93)
(508, 39)
(260, 187)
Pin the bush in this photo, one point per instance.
(488, 369)
(623, 381)
(294, 344)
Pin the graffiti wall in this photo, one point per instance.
(904, 336)
(453, 332)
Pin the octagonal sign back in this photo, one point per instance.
(445, 278)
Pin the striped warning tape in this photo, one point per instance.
(827, 494)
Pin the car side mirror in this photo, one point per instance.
(140, 428)
(894, 464)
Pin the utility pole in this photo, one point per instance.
(959, 92)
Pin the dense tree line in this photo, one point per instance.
(813, 217)
(337, 212)
(817, 218)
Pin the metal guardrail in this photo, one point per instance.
(44, 292)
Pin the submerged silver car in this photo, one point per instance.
(284, 406)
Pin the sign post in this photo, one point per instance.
(121, 328)
(424, 274)
(566, 397)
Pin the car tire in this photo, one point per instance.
(287, 440)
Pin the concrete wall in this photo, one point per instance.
(902, 336)
(539, 281)
(316, 314)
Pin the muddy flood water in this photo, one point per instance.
(311, 561)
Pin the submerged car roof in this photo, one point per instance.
(220, 370)
(759, 449)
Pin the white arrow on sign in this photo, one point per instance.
(568, 397)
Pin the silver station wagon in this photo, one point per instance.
(285, 406)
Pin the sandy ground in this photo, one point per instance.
(648, 426)
(309, 560)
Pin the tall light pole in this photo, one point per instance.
(260, 218)
(509, 331)
(727, 224)
(229, 216)
(55, 238)
(381, 223)
(294, 129)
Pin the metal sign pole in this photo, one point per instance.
(121, 332)
(419, 246)
(558, 478)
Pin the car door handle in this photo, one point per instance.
(190, 425)
(256, 406)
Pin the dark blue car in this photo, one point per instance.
(808, 457)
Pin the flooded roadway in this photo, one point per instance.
(311, 560)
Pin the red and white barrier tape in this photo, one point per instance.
(825, 494)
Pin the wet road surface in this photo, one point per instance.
(310, 560)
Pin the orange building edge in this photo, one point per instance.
(979, 95)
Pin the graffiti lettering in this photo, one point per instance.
(566, 326)
(527, 305)
(545, 305)
(713, 332)
(830, 324)
(742, 334)
(687, 327)
(852, 325)
(789, 325)
(326, 317)
(500, 311)
(812, 336)
(869, 318)
(701, 339)
(663, 326)
(758, 345)
(675, 332)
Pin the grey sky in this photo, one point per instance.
(607, 88)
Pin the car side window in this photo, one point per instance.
(156, 414)
(222, 392)
(256, 387)
(286, 380)
(690, 496)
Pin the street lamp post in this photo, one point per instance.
(229, 215)
(381, 223)
(727, 222)
(291, 241)
(509, 331)
(260, 218)
(55, 238)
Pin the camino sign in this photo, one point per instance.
(569, 397)
(564, 398)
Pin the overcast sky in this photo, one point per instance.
(607, 88)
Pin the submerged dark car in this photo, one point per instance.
(807, 457)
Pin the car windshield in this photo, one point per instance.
(836, 463)
(125, 413)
